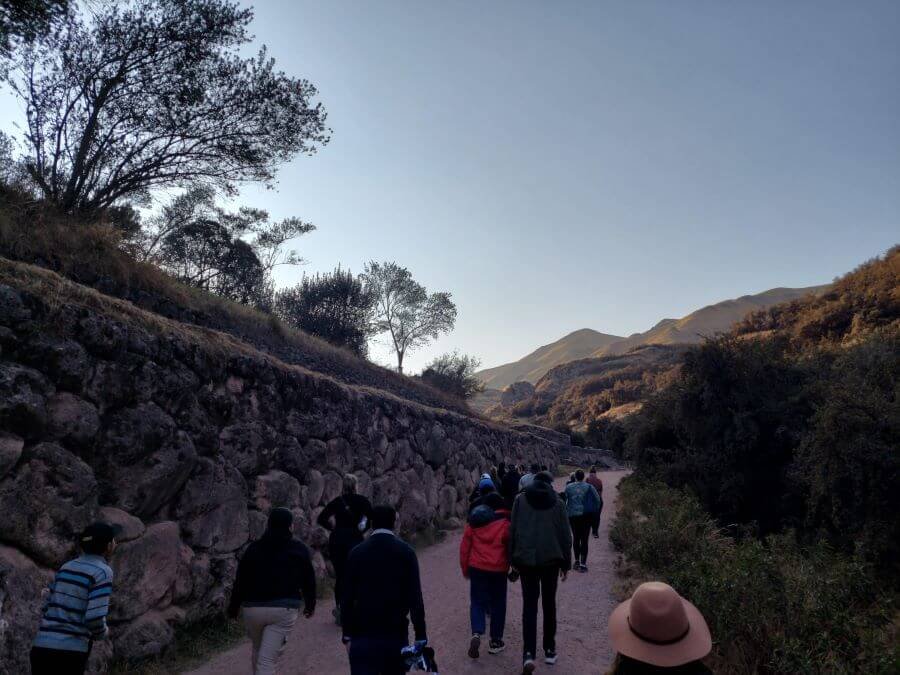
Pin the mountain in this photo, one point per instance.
(709, 320)
(578, 345)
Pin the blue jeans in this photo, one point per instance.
(488, 594)
(376, 656)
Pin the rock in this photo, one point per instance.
(245, 446)
(290, 457)
(130, 527)
(184, 583)
(147, 636)
(337, 455)
(21, 586)
(46, 502)
(212, 507)
(10, 451)
(72, 419)
(316, 483)
(63, 360)
(103, 336)
(447, 502)
(12, 309)
(23, 394)
(516, 392)
(413, 513)
(387, 490)
(145, 571)
(257, 521)
(333, 487)
(364, 484)
(275, 488)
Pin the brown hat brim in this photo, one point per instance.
(692, 647)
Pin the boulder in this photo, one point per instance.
(103, 335)
(337, 455)
(212, 507)
(147, 636)
(10, 451)
(290, 457)
(72, 420)
(145, 571)
(316, 483)
(413, 513)
(447, 502)
(12, 309)
(23, 405)
(333, 487)
(245, 446)
(516, 392)
(63, 360)
(129, 526)
(21, 586)
(46, 502)
(275, 488)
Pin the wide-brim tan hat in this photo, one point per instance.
(659, 627)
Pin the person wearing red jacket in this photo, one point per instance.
(484, 559)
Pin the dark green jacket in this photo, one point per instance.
(539, 532)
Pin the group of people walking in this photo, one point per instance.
(519, 528)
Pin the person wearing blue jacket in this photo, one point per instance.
(582, 501)
(76, 606)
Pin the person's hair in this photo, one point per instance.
(535, 468)
(624, 665)
(280, 522)
(593, 469)
(544, 477)
(351, 484)
(544, 467)
(384, 517)
(95, 547)
(579, 475)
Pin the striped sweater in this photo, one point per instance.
(76, 607)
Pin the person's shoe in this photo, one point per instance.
(596, 536)
(550, 656)
(496, 646)
(528, 665)
(583, 567)
(474, 646)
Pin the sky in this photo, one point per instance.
(560, 165)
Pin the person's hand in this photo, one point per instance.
(309, 613)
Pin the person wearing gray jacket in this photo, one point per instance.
(541, 552)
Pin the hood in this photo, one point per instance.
(541, 495)
(482, 515)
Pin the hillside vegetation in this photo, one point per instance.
(781, 439)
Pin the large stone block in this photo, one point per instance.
(145, 571)
(212, 507)
(21, 586)
(72, 420)
(23, 400)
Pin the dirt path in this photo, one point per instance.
(583, 603)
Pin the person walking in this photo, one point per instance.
(509, 486)
(594, 481)
(74, 614)
(484, 559)
(541, 552)
(347, 517)
(657, 631)
(485, 485)
(382, 593)
(274, 576)
(581, 501)
(525, 481)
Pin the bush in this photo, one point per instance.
(454, 374)
(772, 605)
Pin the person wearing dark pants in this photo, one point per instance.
(582, 501)
(382, 593)
(594, 481)
(487, 594)
(539, 583)
(541, 551)
(581, 534)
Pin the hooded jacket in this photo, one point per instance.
(485, 542)
(540, 534)
(581, 498)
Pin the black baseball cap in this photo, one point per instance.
(98, 535)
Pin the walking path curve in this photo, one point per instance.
(584, 602)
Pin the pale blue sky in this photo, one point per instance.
(557, 165)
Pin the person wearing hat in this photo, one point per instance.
(484, 559)
(76, 606)
(485, 486)
(658, 631)
(274, 576)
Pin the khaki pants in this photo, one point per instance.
(268, 628)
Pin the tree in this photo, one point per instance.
(405, 309)
(454, 374)
(231, 254)
(153, 93)
(336, 307)
(25, 20)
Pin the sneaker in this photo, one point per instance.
(496, 646)
(550, 656)
(528, 665)
(474, 646)
(583, 567)
(596, 536)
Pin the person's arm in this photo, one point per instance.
(98, 605)
(564, 532)
(465, 550)
(416, 604)
(511, 541)
(308, 584)
(324, 519)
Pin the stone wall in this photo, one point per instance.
(187, 438)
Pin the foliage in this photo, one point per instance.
(147, 94)
(608, 433)
(231, 254)
(336, 307)
(26, 20)
(773, 606)
(454, 374)
(405, 309)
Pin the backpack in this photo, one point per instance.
(591, 503)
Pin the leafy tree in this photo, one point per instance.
(146, 94)
(25, 20)
(405, 309)
(337, 307)
(231, 254)
(454, 374)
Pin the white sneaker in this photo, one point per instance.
(550, 657)
(528, 665)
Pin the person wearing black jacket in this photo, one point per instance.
(347, 517)
(509, 485)
(274, 576)
(382, 592)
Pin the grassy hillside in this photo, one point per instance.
(91, 254)
(578, 345)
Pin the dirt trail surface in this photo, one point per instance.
(584, 603)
